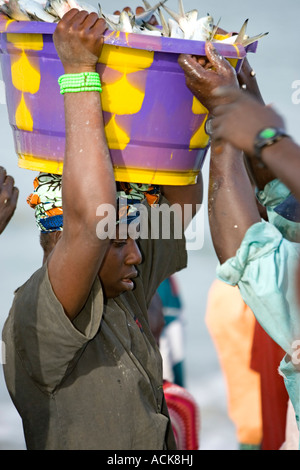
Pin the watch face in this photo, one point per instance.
(268, 133)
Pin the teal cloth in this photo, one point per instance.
(264, 269)
(273, 194)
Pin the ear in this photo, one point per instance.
(56, 236)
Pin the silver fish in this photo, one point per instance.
(180, 18)
(147, 4)
(113, 18)
(147, 14)
(175, 30)
(214, 31)
(13, 10)
(36, 11)
(180, 25)
(124, 23)
(204, 29)
(82, 6)
(247, 41)
(242, 32)
(129, 23)
(193, 28)
(164, 24)
(148, 29)
(57, 7)
(242, 38)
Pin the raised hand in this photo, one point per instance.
(203, 78)
(240, 119)
(78, 39)
(8, 198)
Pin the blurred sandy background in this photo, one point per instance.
(277, 66)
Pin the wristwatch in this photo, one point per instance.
(266, 137)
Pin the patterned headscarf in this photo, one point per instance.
(46, 200)
(130, 195)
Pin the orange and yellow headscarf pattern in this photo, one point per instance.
(46, 200)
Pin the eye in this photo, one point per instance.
(119, 243)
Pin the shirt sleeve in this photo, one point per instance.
(264, 269)
(274, 194)
(46, 340)
(163, 247)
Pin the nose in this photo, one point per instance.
(133, 256)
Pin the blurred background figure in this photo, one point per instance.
(249, 358)
(171, 341)
(8, 198)
(183, 409)
(231, 325)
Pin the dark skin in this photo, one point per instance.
(229, 182)
(260, 175)
(239, 116)
(78, 39)
(201, 78)
(194, 68)
(248, 117)
(118, 269)
(8, 198)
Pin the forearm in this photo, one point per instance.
(247, 80)
(88, 171)
(232, 207)
(190, 195)
(88, 179)
(260, 175)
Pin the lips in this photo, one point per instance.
(131, 276)
(128, 281)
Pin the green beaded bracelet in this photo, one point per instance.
(77, 90)
(77, 82)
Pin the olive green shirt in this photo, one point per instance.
(96, 382)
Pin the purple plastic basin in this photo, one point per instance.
(154, 125)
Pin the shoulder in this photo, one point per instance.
(32, 284)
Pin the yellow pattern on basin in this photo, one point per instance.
(199, 139)
(121, 97)
(25, 75)
(118, 138)
(23, 117)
